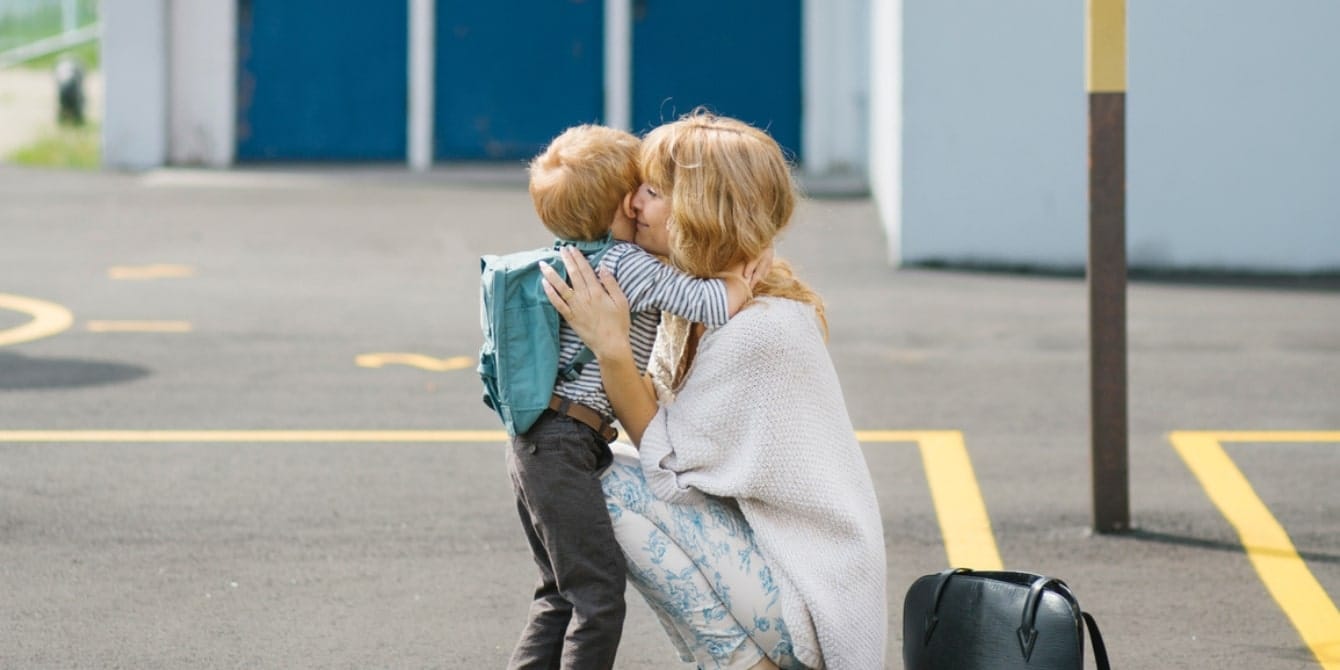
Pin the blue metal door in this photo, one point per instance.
(740, 58)
(322, 80)
(512, 74)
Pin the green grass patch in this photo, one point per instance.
(88, 54)
(23, 26)
(77, 147)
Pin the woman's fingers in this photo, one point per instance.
(612, 289)
(579, 271)
(553, 282)
(583, 272)
(572, 260)
(551, 293)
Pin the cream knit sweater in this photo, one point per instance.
(760, 418)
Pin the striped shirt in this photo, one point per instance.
(651, 287)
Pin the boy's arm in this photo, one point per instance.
(653, 285)
(738, 291)
(743, 277)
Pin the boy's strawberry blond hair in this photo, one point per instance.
(579, 182)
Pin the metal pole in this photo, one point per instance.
(422, 51)
(619, 64)
(1106, 56)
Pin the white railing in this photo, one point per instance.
(34, 28)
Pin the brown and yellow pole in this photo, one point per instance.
(1106, 60)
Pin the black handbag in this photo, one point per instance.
(965, 620)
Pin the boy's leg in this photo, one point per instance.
(541, 642)
(556, 465)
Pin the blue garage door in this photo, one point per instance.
(741, 58)
(321, 80)
(512, 74)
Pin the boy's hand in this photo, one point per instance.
(757, 269)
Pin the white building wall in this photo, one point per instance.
(134, 66)
(886, 119)
(994, 132)
(1234, 135)
(1233, 148)
(836, 87)
(202, 82)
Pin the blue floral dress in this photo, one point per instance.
(700, 571)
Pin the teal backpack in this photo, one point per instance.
(518, 362)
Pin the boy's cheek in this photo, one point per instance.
(623, 228)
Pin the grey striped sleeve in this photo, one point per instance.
(651, 285)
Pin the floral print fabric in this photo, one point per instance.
(700, 571)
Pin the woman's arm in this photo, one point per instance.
(598, 311)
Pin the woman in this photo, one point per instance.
(748, 519)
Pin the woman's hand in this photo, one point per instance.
(594, 306)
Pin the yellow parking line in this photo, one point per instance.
(234, 436)
(1268, 546)
(959, 507)
(421, 361)
(969, 540)
(138, 326)
(48, 319)
(1273, 436)
(155, 271)
(966, 528)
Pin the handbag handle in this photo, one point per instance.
(1099, 649)
(933, 617)
(1028, 633)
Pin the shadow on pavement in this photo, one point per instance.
(1216, 545)
(21, 373)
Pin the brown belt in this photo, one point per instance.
(585, 415)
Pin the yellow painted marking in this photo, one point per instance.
(138, 326)
(1268, 546)
(1105, 55)
(48, 319)
(964, 522)
(155, 271)
(234, 436)
(969, 541)
(415, 360)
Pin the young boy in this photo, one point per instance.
(580, 185)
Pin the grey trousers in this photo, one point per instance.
(576, 617)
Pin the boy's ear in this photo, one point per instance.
(628, 206)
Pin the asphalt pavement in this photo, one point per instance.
(374, 527)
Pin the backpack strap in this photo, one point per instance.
(594, 250)
(1099, 649)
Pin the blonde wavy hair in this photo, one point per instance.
(581, 178)
(731, 193)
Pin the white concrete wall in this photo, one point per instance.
(202, 82)
(886, 119)
(994, 132)
(836, 86)
(135, 72)
(1234, 135)
(1233, 148)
